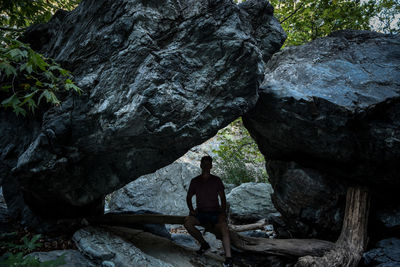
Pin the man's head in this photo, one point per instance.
(206, 163)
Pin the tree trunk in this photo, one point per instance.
(353, 238)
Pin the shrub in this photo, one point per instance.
(238, 158)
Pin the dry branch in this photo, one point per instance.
(247, 227)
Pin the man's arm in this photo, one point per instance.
(221, 194)
(189, 203)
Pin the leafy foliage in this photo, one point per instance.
(307, 20)
(17, 14)
(239, 159)
(19, 259)
(27, 77)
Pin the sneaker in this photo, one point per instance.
(228, 262)
(203, 248)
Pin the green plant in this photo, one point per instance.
(18, 14)
(306, 20)
(238, 158)
(26, 77)
(18, 258)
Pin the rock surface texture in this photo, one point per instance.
(72, 258)
(250, 202)
(163, 191)
(385, 254)
(158, 77)
(328, 116)
(107, 249)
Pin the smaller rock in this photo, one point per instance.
(72, 258)
(251, 202)
(184, 240)
(105, 249)
(386, 254)
(390, 217)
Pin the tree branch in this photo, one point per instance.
(294, 12)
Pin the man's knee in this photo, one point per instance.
(223, 227)
(189, 222)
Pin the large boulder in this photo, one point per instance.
(250, 202)
(329, 112)
(163, 191)
(158, 77)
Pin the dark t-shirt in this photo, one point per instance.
(206, 192)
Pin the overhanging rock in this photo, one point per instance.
(329, 115)
(159, 77)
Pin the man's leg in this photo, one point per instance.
(190, 223)
(222, 226)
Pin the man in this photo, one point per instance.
(209, 214)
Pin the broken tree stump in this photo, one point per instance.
(353, 237)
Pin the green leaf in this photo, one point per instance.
(17, 54)
(37, 60)
(50, 97)
(70, 85)
(26, 66)
(28, 98)
(31, 244)
(12, 101)
(5, 88)
(7, 69)
(19, 110)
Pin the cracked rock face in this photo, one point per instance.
(159, 77)
(329, 116)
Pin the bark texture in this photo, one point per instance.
(353, 238)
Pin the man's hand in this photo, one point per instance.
(193, 213)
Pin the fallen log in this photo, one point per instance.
(353, 238)
(247, 227)
(126, 219)
(281, 247)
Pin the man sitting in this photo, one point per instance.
(208, 213)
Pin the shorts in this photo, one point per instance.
(208, 217)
